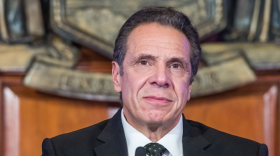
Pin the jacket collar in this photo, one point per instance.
(113, 138)
(194, 143)
(114, 142)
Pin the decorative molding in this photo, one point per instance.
(71, 83)
(96, 23)
(222, 77)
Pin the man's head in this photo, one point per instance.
(156, 56)
(166, 17)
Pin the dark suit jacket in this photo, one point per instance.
(107, 139)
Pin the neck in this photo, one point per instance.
(153, 131)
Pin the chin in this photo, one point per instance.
(156, 117)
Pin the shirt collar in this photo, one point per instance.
(172, 141)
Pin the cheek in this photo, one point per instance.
(132, 83)
(182, 90)
(127, 86)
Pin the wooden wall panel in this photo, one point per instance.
(248, 112)
(41, 116)
(270, 100)
(11, 123)
(4, 79)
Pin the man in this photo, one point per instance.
(155, 58)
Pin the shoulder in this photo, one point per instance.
(91, 131)
(82, 140)
(214, 135)
(226, 144)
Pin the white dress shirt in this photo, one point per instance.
(172, 141)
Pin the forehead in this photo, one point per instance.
(157, 39)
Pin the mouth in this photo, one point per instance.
(157, 99)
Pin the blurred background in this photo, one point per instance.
(55, 67)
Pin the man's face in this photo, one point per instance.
(155, 85)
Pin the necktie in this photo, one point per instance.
(154, 149)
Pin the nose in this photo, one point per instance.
(160, 77)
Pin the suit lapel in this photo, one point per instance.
(113, 142)
(193, 142)
(113, 138)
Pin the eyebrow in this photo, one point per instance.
(144, 56)
(153, 58)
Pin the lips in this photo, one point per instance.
(157, 99)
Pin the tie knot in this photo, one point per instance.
(154, 149)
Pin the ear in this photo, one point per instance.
(116, 76)
(190, 89)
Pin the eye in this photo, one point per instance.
(175, 66)
(144, 62)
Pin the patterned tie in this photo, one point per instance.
(155, 149)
